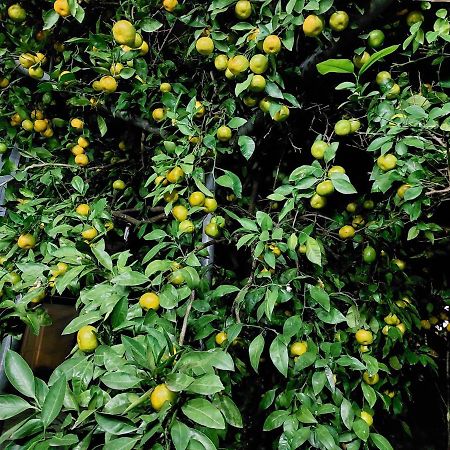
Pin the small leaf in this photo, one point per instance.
(203, 412)
(335, 66)
(247, 146)
(380, 441)
(19, 373)
(361, 429)
(279, 354)
(255, 350)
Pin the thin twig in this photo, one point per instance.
(186, 318)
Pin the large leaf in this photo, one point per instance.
(203, 412)
(335, 66)
(279, 354)
(11, 405)
(208, 384)
(380, 442)
(54, 401)
(255, 350)
(377, 56)
(19, 374)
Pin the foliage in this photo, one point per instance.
(101, 126)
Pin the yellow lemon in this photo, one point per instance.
(149, 300)
(87, 338)
(204, 45)
(124, 32)
(160, 395)
(272, 44)
(312, 26)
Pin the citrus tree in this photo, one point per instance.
(240, 197)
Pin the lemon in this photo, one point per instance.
(282, 114)
(36, 72)
(108, 84)
(339, 21)
(318, 149)
(335, 169)
(259, 64)
(402, 189)
(83, 209)
(180, 213)
(87, 338)
(149, 300)
(89, 234)
(200, 109)
(159, 114)
(221, 62)
(257, 84)
(317, 201)
(243, 9)
(272, 44)
(17, 13)
(264, 105)
(250, 101)
(382, 77)
(221, 337)
(212, 230)
(27, 125)
(175, 175)
(26, 241)
(165, 87)
(210, 204)
(312, 26)
(197, 198)
(298, 348)
(346, 232)
(414, 17)
(77, 150)
(204, 45)
(171, 196)
(238, 64)
(118, 185)
(368, 418)
(371, 380)
(186, 226)
(160, 395)
(360, 60)
(62, 7)
(82, 160)
(342, 127)
(393, 92)
(387, 162)
(124, 32)
(375, 39)
(325, 188)
(364, 337)
(27, 60)
(224, 133)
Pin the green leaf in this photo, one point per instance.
(300, 436)
(247, 146)
(318, 382)
(103, 128)
(114, 425)
(325, 438)
(380, 441)
(80, 321)
(130, 278)
(313, 252)
(120, 380)
(208, 384)
(241, 87)
(12, 405)
(279, 354)
(149, 25)
(377, 56)
(304, 415)
(203, 412)
(232, 181)
(78, 184)
(347, 413)
(54, 401)
(123, 443)
(50, 18)
(335, 66)
(369, 394)
(275, 420)
(180, 434)
(178, 382)
(255, 350)
(320, 296)
(102, 257)
(361, 429)
(19, 374)
(236, 122)
(229, 410)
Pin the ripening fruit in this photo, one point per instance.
(393, 92)
(264, 105)
(298, 348)
(124, 33)
(221, 337)
(165, 87)
(87, 338)
(414, 17)
(382, 77)
(205, 46)
(26, 241)
(375, 39)
(387, 162)
(312, 26)
(159, 114)
(355, 125)
(160, 395)
(364, 337)
(259, 64)
(62, 8)
(27, 125)
(369, 255)
(335, 169)
(371, 380)
(368, 204)
(339, 21)
(36, 72)
(212, 230)
(358, 221)
(399, 263)
(170, 5)
(224, 133)
(186, 226)
(360, 60)
(197, 198)
(317, 201)
(200, 109)
(257, 84)
(175, 175)
(318, 149)
(180, 213)
(83, 142)
(402, 189)
(81, 160)
(27, 60)
(171, 196)
(40, 125)
(325, 188)
(176, 278)
(107, 84)
(77, 123)
(282, 114)
(89, 234)
(342, 127)
(210, 205)
(221, 62)
(17, 13)
(364, 348)
(368, 418)
(3, 148)
(61, 269)
(118, 185)
(272, 44)
(401, 327)
(392, 319)
(243, 9)
(238, 64)
(83, 209)
(149, 300)
(425, 324)
(346, 232)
